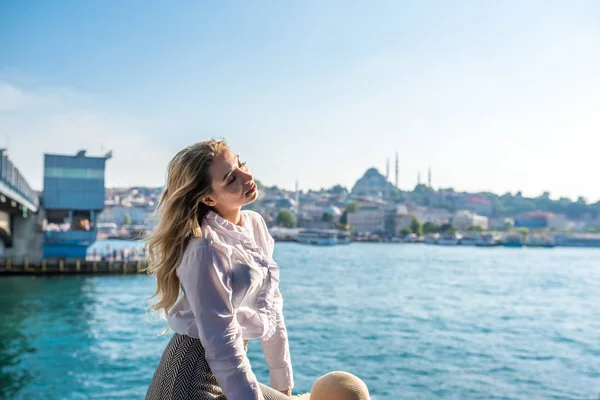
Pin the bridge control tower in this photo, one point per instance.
(73, 196)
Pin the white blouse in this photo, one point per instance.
(230, 294)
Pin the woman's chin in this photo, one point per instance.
(251, 197)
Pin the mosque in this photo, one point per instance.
(376, 185)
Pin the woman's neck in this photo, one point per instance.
(234, 216)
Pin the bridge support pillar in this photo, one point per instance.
(27, 237)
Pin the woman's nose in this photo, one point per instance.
(246, 175)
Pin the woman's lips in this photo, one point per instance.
(252, 189)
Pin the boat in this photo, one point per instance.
(578, 240)
(106, 230)
(470, 239)
(487, 240)
(538, 241)
(432, 238)
(343, 237)
(513, 240)
(323, 237)
(411, 238)
(449, 239)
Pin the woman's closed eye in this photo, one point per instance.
(242, 166)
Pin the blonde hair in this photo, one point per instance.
(178, 217)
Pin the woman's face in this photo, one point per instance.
(232, 183)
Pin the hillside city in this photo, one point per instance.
(374, 209)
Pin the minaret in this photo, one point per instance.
(419, 178)
(396, 170)
(297, 198)
(429, 177)
(387, 170)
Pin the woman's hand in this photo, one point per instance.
(287, 392)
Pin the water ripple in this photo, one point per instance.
(415, 322)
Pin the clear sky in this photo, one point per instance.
(494, 95)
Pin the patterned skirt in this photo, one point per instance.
(183, 373)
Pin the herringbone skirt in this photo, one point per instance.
(183, 374)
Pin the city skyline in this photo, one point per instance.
(499, 98)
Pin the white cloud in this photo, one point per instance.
(34, 122)
(11, 98)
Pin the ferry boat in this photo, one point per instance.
(323, 237)
(513, 240)
(343, 237)
(488, 240)
(106, 230)
(470, 239)
(578, 240)
(431, 238)
(538, 241)
(450, 239)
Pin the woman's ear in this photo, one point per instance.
(209, 201)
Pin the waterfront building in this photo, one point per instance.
(73, 196)
(473, 203)
(438, 216)
(368, 219)
(463, 220)
(402, 221)
(542, 220)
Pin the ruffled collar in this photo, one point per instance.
(266, 304)
(217, 221)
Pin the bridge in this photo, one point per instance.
(20, 226)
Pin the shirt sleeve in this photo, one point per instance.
(207, 285)
(277, 352)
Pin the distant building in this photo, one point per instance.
(73, 196)
(368, 219)
(402, 221)
(438, 216)
(463, 220)
(500, 223)
(542, 220)
(593, 224)
(139, 214)
(476, 204)
(373, 184)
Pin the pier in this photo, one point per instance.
(72, 267)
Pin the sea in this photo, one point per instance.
(412, 321)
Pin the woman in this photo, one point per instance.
(221, 259)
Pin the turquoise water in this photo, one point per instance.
(414, 321)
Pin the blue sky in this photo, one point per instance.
(499, 96)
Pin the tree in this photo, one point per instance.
(446, 227)
(259, 184)
(338, 189)
(475, 228)
(286, 218)
(416, 227)
(451, 230)
(127, 219)
(404, 232)
(344, 218)
(326, 217)
(430, 227)
(353, 207)
(523, 231)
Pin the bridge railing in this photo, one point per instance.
(10, 175)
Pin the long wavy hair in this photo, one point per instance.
(178, 217)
